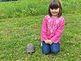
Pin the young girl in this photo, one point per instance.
(52, 28)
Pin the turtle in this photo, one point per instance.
(30, 48)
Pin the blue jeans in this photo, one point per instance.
(53, 48)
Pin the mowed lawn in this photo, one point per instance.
(16, 33)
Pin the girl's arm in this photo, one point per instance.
(58, 33)
(43, 31)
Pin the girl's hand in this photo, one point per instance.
(48, 42)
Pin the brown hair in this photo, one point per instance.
(54, 5)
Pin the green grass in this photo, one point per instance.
(20, 24)
(16, 33)
(23, 8)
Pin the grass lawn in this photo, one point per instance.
(15, 33)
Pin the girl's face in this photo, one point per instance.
(54, 12)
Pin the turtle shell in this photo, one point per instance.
(30, 48)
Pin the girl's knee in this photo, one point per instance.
(55, 48)
(45, 52)
(55, 51)
(45, 49)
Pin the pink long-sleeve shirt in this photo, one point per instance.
(52, 28)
